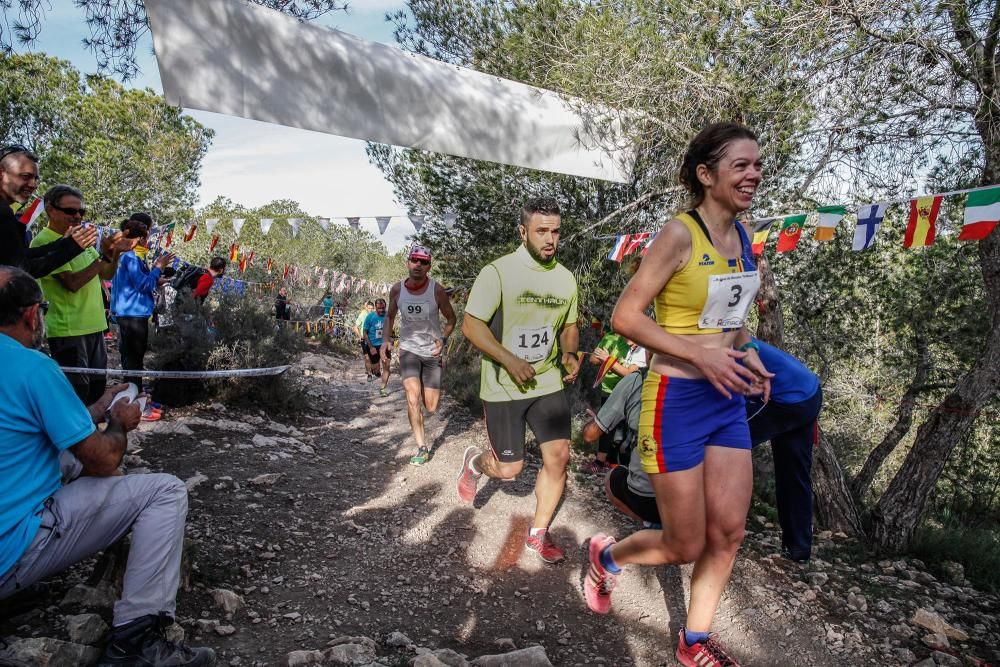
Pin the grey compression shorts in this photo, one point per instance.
(426, 369)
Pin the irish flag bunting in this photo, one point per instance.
(982, 211)
(761, 230)
(791, 230)
(829, 218)
(920, 228)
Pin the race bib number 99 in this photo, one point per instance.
(729, 299)
(415, 311)
(533, 343)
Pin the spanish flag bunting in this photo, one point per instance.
(595, 323)
(829, 218)
(605, 367)
(190, 233)
(921, 227)
(982, 211)
(791, 230)
(286, 272)
(243, 263)
(215, 242)
(270, 263)
(250, 259)
(234, 252)
(761, 230)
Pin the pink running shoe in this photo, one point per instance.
(545, 548)
(599, 583)
(709, 653)
(468, 481)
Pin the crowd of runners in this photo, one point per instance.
(685, 394)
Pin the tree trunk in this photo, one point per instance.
(771, 326)
(900, 508)
(835, 507)
(904, 420)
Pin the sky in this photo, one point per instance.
(329, 176)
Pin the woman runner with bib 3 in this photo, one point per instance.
(694, 441)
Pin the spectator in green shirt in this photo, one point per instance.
(629, 358)
(75, 321)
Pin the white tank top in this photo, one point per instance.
(420, 325)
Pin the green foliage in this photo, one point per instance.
(127, 150)
(976, 549)
(231, 333)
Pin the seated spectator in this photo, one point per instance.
(216, 268)
(46, 526)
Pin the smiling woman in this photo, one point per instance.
(700, 466)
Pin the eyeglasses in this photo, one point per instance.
(422, 262)
(71, 211)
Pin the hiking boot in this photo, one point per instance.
(545, 548)
(422, 456)
(142, 643)
(599, 582)
(595, 467)
(468, 479)
(703, 654)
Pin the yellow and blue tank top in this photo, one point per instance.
(679, 305)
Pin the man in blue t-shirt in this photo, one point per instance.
(45, 525)
(373, 327)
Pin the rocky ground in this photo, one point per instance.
(311, 541)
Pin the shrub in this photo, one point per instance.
(234, 332)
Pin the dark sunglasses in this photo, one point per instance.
(422, 262)
(42, 306)
(71, 211)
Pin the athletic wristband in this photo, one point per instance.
(749, 346)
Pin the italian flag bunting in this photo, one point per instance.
(921, 226)
(982, 212)
(829, 218)
(791, 230)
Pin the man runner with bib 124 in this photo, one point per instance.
(521, 315)
(420, 301)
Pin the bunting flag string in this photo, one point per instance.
(981, 216)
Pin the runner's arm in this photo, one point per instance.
(446, 309)
(569, 344)
(478, 333)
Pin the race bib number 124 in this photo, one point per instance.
(533, 343)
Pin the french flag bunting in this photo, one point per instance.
(618, 252)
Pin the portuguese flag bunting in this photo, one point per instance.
(791, 230)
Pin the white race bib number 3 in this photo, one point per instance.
(729, 299)
(533, 343)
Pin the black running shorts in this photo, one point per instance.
(375, 352)
(548, 417)
(426, 369)
(644, 506)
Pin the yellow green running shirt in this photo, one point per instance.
(526, 305)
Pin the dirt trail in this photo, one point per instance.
(354, 541)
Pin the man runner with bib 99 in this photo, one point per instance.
(693, 440)
(521, 315)
(419, 300)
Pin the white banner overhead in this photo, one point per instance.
(245, 60)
